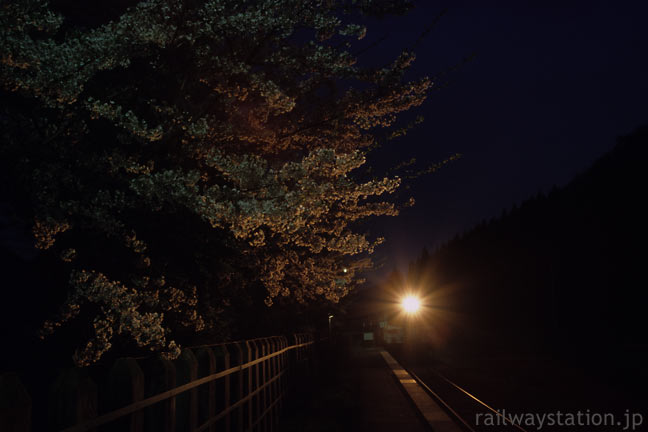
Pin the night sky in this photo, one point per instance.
(551, 87)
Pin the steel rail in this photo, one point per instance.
(494, 411)
(444, 403)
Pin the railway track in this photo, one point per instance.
(470, 412)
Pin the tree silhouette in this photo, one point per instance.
(560, 272)
(187, 160)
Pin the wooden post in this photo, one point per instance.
(187, 402)
(206, 392)
(125, 386)
(15, 404)
(72, 399)
(160, 376)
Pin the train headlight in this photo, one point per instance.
(411, 304)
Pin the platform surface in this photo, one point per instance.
(429, 408)
(383, 403)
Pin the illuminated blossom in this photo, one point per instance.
(204, 148)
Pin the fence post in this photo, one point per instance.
(206, 392)
(160, 376)
(310, 352)
(277, 371)
(187, 402)
(223, 390)
(72, 399)
(125, 386)
(272, 389)
(251, 382)
(263, 425)
(259, 382)
(284, 367)
(15, 404)
(296, 364)
(238, 389)
(227, 384)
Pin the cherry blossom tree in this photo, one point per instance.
(185, 155)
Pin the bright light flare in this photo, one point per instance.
(411, 304)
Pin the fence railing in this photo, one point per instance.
(236, 386)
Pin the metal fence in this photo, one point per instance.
(237, 386)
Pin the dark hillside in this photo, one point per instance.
(563, 272)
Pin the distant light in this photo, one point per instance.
(411, 304)
(345, 270)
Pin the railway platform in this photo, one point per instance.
(391, 400)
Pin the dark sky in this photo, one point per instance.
(552, 84)
(551, 87)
